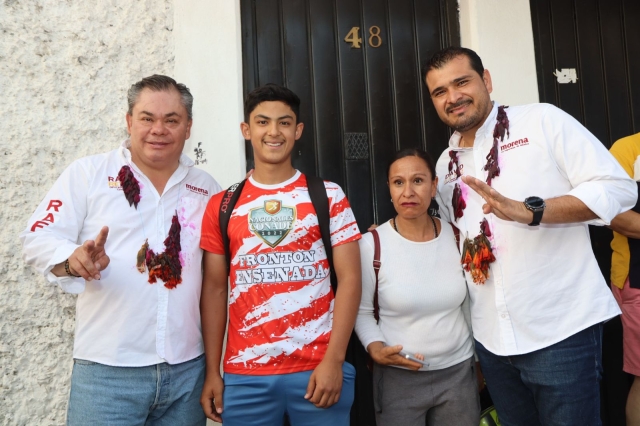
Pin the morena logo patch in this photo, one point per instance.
(514, 144)
(197, 190)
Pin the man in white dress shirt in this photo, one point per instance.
(122, 230)
(522, 184)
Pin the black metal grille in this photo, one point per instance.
(357, 146)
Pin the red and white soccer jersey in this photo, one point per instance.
(281, 303)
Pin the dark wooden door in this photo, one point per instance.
(359, 103)
(600, 39)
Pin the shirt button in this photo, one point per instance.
(503, 316)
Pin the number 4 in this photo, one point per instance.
(354, 38)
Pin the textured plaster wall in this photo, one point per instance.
(65, 66)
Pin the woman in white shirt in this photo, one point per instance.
(423, 309)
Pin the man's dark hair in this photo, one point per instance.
(441, 58)
(271, 92)
(412, 152)
(160, 83)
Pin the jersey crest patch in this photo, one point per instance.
(272, 222)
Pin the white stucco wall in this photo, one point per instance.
(209, 60)
(500, 31)
(65, 67)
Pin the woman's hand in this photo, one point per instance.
(389, 355)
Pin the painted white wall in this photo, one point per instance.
(65, 67)
(208, 52)
(500, 31)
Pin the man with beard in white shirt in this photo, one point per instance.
(522, 184)
(122, 230)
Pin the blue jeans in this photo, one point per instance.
(159, 395)
(557, 385)
(264, 400)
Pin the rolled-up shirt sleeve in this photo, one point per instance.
(595, 175)
(51, 235)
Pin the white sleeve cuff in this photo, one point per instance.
(66, 283)
(70, 285)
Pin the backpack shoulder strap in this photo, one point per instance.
(320, 201)
(226, 208)
(376, 269)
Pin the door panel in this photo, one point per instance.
(589, 52)
(269, 49)
(298, 77)
(615, 69)
(326, 82)
(406, 75)
(354, 111)
(631, 17)
(601, 40)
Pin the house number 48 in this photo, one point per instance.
(353, 37)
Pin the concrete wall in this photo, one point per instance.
(209, 60)
(65, 67)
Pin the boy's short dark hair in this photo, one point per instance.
(271, 92)
(441, 58)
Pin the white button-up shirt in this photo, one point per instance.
(545, 284)
(121, 319)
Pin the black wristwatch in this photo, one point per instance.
(536, 205)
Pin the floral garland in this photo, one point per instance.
(492, 168)
(458, 203)
(166, 265)
(130, 186)
(453, 162)
(477, 254)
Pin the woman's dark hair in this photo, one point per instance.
(271, 92)
(412, 152)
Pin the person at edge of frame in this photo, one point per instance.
(625, 273)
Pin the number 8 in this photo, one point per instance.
(374, 32)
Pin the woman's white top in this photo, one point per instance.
(422, 295)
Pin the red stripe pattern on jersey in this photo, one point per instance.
(281, 303)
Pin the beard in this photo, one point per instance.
(467, 122)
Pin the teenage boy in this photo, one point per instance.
(288, 332)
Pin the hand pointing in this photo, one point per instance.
(90, 258)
